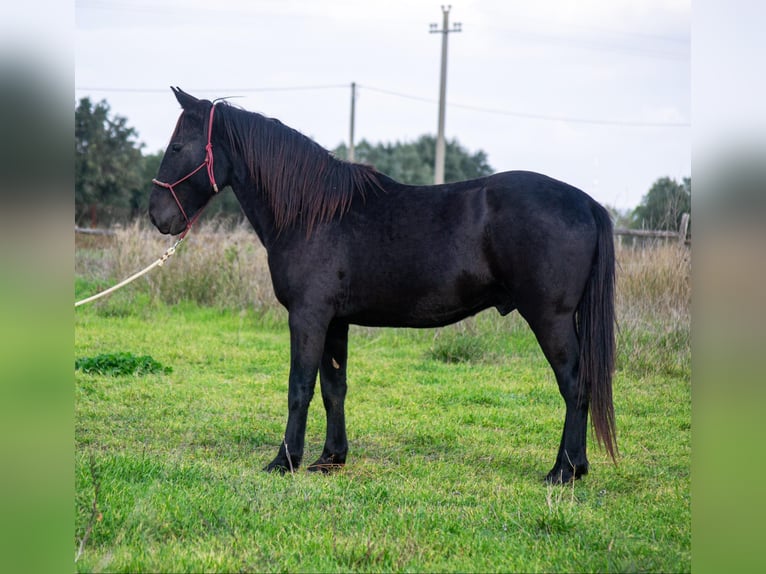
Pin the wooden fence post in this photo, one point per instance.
(683, 228)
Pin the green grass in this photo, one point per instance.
(450, 440)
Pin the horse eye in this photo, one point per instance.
(176, 147)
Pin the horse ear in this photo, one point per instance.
(187, 101)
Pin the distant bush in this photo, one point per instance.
(452, 346)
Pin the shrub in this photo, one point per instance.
(116, 364)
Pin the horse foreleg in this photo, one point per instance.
(307, 338)
(332, 375)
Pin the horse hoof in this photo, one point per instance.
(277, 467)
(327, 464)
(559, 477)
(324, 467)
(565, 475)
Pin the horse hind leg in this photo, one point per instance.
(332, 376)
(559, 342)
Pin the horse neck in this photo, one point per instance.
(284, 181)
(255, 206)
(252, 199)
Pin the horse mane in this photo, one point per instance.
(304, 183)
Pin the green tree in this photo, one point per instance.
(109, 174)
(664, 204)
(413, 162)
(620, 217)
(139, 198)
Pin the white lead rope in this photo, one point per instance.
(160, 262)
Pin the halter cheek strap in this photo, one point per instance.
(209, 151)
(207, 162)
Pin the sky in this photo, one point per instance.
(596, 93)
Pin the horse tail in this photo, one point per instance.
(595, 328)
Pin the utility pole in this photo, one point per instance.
(353, 113)
(440, 146)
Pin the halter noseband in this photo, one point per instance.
(208, 161)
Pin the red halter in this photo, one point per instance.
(208, 161)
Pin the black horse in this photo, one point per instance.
(347, 244)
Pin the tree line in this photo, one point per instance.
(112, 173)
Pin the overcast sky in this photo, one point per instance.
(592, 92)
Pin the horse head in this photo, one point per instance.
(186, 179)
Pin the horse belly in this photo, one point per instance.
(425, 301)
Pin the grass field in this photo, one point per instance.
(451, 433)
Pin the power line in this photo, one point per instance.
(532, 116)
(480, 109)
(398, 94)
(571, 120)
